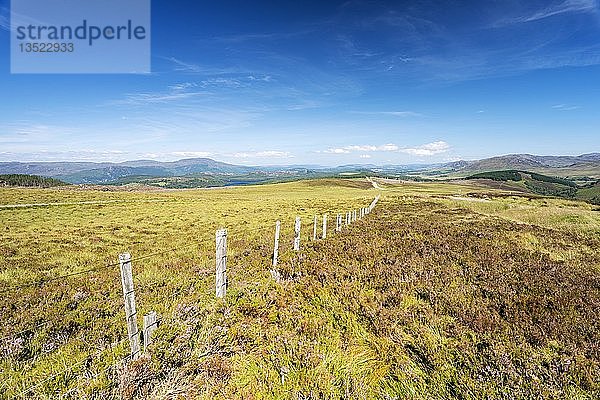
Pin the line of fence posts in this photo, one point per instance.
(150, 319)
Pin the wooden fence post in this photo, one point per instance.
(150, 325)
(315, 229)
(129, 297)
(276, 246)
(338, 222)
(221, 263)
(297, 234)
(274, 273)
(324, 226)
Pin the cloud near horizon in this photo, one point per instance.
(263, 154)
(428, 149)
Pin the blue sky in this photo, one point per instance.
(330, 83)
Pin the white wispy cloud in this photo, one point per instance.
(337, 151)
(567, 6)
(564, 7)
(198, 69)
(190, 154)
(365, 156)
(383, 147)
(564, 107)
(362, 148)
(173, 93)
(263, 154)
(6, 15)
(71, 155)
(429, 149)
(185, 66)
(390, 113)
(222, 82)
(183, 86)
(4, 20)
(31, 132)
(144, 98)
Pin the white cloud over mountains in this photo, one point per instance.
(428, 149)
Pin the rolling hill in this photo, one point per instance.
(87, 172)
(586, 165)
(532, 182)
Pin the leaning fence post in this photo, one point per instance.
(150, 325)
(324, 226)
(315, 229)
(297, 234)
(221, 263)
(129, 297)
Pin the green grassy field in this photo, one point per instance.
(444, 291)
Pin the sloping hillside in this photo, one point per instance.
(29, 180)
(532, 182)
(564, 166)
(590, 193)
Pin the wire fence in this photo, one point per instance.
(337, 221)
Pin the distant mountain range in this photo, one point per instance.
(586, 165)
(208, 172)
